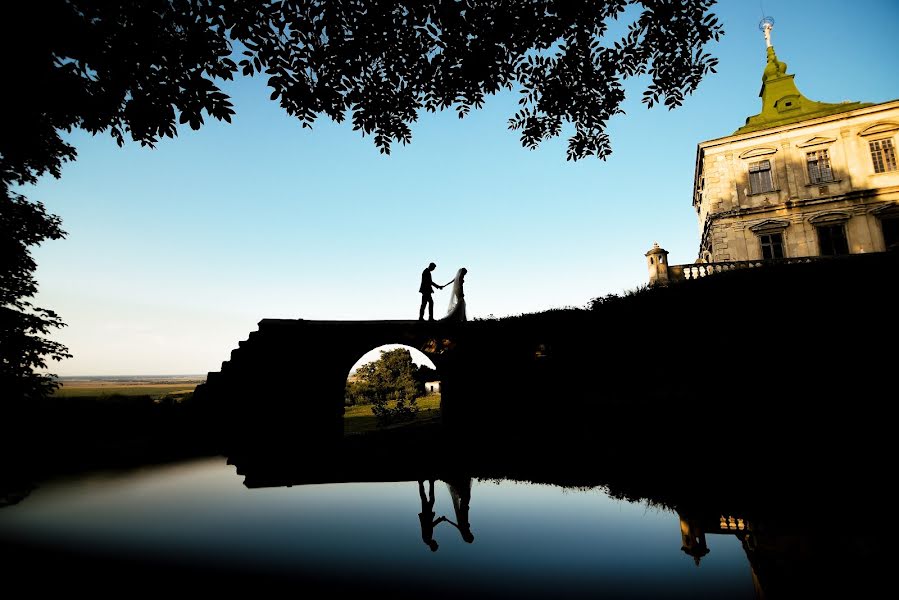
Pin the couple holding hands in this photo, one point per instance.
(456, 311)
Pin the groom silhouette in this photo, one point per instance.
(427, 288)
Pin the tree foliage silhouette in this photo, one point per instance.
(23, 347)
(138, 69)
(424, 374)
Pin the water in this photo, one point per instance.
(529, 540)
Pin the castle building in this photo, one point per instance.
(800, 179)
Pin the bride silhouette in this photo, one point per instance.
(456, 311)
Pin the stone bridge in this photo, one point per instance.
(287, 380)
(293, 372)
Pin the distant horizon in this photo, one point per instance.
(154, 375)
(418, 358)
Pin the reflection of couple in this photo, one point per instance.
(456, 311)
(460, 491)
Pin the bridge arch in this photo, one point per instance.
(291, 374)
(363, 403)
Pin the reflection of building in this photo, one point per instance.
(799, 179)
(692, 539)
(813, 556)
(694, 529)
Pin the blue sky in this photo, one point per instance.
(174, 254)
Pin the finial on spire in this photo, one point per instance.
(766, 25)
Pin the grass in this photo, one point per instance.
(360, 419)
(96, 389)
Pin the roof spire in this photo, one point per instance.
(782, 102)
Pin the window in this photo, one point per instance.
(819, 170)
(832, 240)
(760, 177)
(772, 245)
(882, 155)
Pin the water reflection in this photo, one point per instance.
(533, 540)
(427, 514)
(809, 557)
(692, 538)
(460, 492)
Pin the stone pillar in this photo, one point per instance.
(657, 262)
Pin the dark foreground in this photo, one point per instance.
(807, 516)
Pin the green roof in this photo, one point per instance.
(782, 103)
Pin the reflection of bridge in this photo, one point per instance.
(787, 558)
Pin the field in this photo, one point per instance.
(155, 387)
(357, 419)
(360, 419)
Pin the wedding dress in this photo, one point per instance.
(456, 310)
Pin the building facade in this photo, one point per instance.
(800, 179)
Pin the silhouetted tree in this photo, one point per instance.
(22, 325)
(391, 385)
(137, 69)
(424, 374)
(130, 68)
